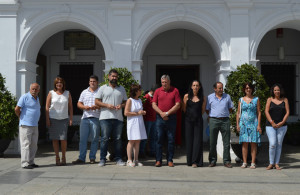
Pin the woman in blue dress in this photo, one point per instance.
(248, 123)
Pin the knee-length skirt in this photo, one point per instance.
(58, 129)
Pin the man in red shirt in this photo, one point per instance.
(166, 102)
(149, 119)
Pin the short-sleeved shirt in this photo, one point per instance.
(219, 108)
(87, 97)
(165, 100)
(114, 96)
(150, 112)
(30, 110)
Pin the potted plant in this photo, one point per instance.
(234, 87)
(125, 79)
(8, 119)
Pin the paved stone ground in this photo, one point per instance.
(112, 179)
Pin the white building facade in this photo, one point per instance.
(191, 39)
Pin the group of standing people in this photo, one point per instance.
(102, 111)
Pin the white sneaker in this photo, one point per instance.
(138, 163)
(101, 163)
(120, 163)
(130, 163)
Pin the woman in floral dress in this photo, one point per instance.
(248, 123)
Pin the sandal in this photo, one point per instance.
(277, 167)
(57, 159)
(130, 163)
(244, 165)
(270, 167)
(253, 166)
(63, 161)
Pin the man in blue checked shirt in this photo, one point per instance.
(218, 108)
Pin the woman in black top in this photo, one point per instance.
(194, 106)
(277, 111)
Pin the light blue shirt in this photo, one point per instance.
(219, 108)
(30, 110)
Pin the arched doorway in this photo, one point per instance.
(278, 55)
(185, 56)
(74, 55)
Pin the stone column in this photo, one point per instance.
(239, 25)
(137, 70)
(26, 74)
(223, 69)
(108, 64)
(120, 32)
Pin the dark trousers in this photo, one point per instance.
(222, 125)
(165, 128)
(194, 142)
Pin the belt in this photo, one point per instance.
(220, 118)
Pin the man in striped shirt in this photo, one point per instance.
(89, 126)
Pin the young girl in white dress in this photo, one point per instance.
(135, 125)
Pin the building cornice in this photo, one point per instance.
(9, 10)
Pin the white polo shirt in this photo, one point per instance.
(87, 97)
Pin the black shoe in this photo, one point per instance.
(212, 164)
(28, 167)
(78, 162)
(34, 165)
(92, 161)
(228, 165)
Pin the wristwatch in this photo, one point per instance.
(167, 113)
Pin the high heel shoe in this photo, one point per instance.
(57, 161)
(63, 161)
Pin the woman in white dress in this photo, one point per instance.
(135, 125)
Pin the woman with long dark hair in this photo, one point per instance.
(194, 106)
(277, 112)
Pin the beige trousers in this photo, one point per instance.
(28, 140)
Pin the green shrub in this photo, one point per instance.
(8, 120)
(234, 87)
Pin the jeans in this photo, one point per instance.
(89, 128)
(275, 142)
(151, 134)
(216, 125)
(163, 128)
(111, 128)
